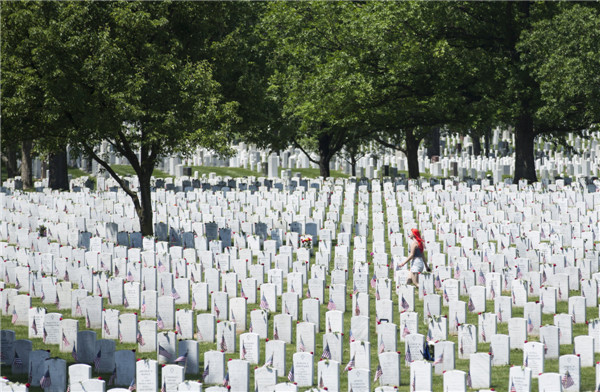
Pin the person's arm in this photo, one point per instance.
(411, 256)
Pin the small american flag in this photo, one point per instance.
(130, 278)
(162, 288)
(514, 299)
(491, 351)
(321, 383)
(106, 329)
(567, 380)
(269, 361)
(74, 354)
(405, 331)
(17, 361)
(437, 282)
(331, 304)
(88, 323)
(481, 278)
(174, 293)
(374, 281)
(413, 383)
(113, 377)
(301, 347)
(355, 289)
(407, 356)
(526, 364)
(242, 291)
(34, 327)
(78, 307)
(378, 373)
(326, 352)
(132, 385)
(377, 296)
(43, 295)
(404, 303)
(98, 288)
(544, 277)
(529, 325)
(456, 322)
(97, 360)
(446, 298)
(205, 373)
(164, 387)
(45, 381)
(140, 338)
(291, 374)
(483, 337)
(357, 308)
(162, 351)
(471, 305)
(308, 292)
(45, 335)
(226, 380)
(512, 387)
(492, 291)
(125, 302)
(15, 317)
(263, 303)
(381, 346)
(351, 337)
(457, 272)
(519, 273)
(182, 358)
(65, 340)
(244, 352)
(439, 359)
(469, 382)
(178, 328)
(223, 343)
(160, 324)
(350, 364)
(276, 334)
(161, 266)
(217, 310)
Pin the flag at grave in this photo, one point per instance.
(130, 276)
(140, 338)
(78, 307)
(357, 308)
(88, 323)
(162, 288)
(407, 356)
(34, 327)
(492, 292)
(469, 381)
(226, 380)
(113, 377)
(217, 310)
(377, 296)
(374, 281)
(326, 352)
(483, 337)
(109, 297)
(43, 295)
(205, 373)
(350, 364)
(182, 358)
(529, 325)
(413, 383)
(106, 329)
(194, 301)
(56, 301)
(331, 304)
(74, 354)
(302, 347)
(263, 302)
(276, 334)
(269, 361)
(162, 351)
(437, 282)
(45, 381)
(439, 359)
(378, 373)
(446, 295)
(178, 328)
(329, 326)
(44, 335)
(519, 273)
(405, 331)
(457, 272)
(223, 343)
(97, 360)
(175, 294)
(381, 346)
(160, 324)
(471, 305)
(132, 385)
(120, 336)
(321, 383)
(308, 292)
(161, 267)
(404, 303)
(481, 278)
(98, 288)
(164, 387)
(567, 380)
(499, 314)
(351, 336)
(355, 289)
(291, 374)
(429, 335)
(15, 317)
(512, 387)
(17, 361)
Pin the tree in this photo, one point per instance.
(563, 56)
(122, 73)
(316, 81)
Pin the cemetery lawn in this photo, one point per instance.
(76, 172)
(127, 170)
(315, 173)
(225, 171)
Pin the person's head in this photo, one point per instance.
(415, 234)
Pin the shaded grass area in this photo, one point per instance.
(225, 171)
(127, 170)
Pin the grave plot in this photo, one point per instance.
(259, 289)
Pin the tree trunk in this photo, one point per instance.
(524, 140)
(145, 210)
(59, 174)
(412, 154)
(26, 170)
(486, 140)
(476, 145)
(10, 160)
(433, 142)
(325, 154)
(353, 161)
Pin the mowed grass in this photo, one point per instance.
(127, 170)
(500, 374)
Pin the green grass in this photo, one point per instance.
(225, 171)
(76, 173)
(127, 170)
(314, 173)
